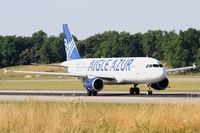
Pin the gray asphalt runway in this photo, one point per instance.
(103, 97)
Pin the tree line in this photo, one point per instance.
(174, 49)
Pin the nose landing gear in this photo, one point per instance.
(149, 92)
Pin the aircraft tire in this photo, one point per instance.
(149, 92)
(94, 93)
(134, 91)
(137, 91)
(131, 91)
(89, 93)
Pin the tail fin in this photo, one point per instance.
(70, 46)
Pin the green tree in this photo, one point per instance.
(37, 40)
(172, 49)
(9, 51)
(189, 45)
(57, 48)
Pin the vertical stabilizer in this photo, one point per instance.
(70, 46)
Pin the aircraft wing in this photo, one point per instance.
(55, 65)
(35, 72)
(182, 68)
(80, 75)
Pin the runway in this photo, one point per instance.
(103, 97)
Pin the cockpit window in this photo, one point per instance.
(154, 65)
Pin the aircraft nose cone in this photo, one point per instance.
(161, 74)
(158, 75)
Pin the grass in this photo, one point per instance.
(41, 85)
(39, 117)
(47, 83)
(184, 86)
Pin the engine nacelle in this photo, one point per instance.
(94, 84)
(161, 85)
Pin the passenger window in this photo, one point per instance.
(147, 66)
(150, 66)
(160, 65)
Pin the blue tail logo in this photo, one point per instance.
(70, 46)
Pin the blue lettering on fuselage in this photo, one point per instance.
(110, 65)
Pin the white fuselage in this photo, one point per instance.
(124, 70)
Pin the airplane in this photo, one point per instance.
(96, 72)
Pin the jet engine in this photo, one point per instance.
(161, 85)
(94, 84)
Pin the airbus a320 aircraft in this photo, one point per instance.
(96, 72)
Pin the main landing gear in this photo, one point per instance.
(90, 93)
(134, 90)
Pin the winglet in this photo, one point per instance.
(194, 66)
(5, 70)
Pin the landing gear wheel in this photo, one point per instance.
(94, 93)
(137, 91)
(131, 91)
(134, 91)
(89, 93)
(149, 92)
